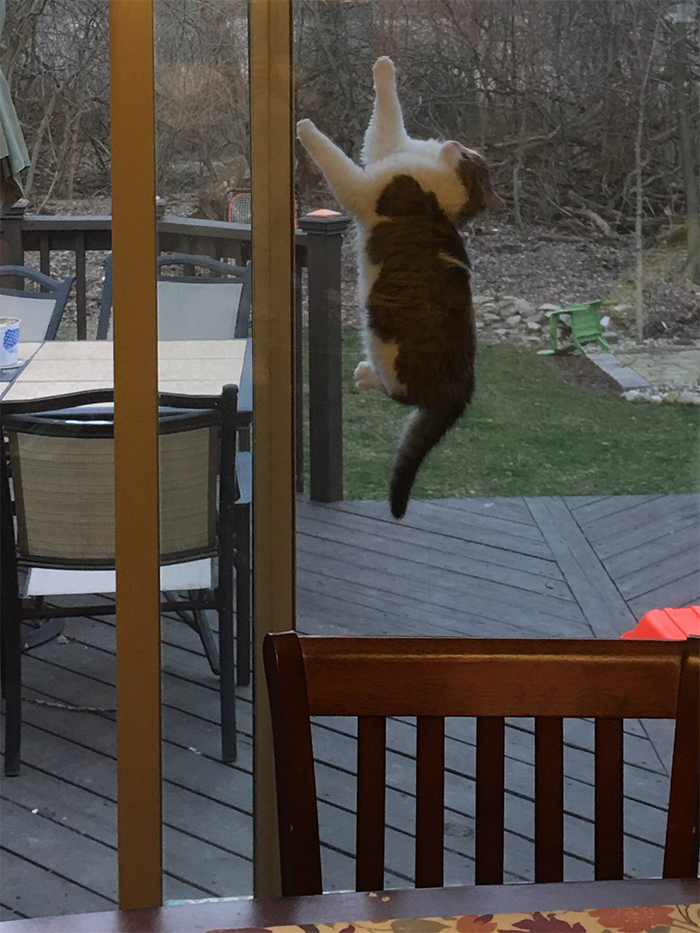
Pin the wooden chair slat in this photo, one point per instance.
(300, 849)
(609, 799)
(430, 801)
(549, 799)
(490, 789)
(371, 798)
(682, 830)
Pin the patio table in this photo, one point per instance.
(599, 905)
(191, 367)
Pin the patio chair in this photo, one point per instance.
(192, 307)
(39, 312)
(489, 679)
(62, 541)
(584, 319)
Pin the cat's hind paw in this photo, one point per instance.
(365, 376)
(305, 129)
(384, 71)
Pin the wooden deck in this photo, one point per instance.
(550, 567)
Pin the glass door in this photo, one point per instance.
(184, 291)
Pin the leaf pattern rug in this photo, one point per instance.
(666, 919)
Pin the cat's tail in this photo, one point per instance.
(423, 429)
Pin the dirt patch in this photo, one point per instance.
(671, 302)
(577, 370)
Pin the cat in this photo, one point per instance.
(409, 201)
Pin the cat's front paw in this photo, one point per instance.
(305, 130)
(384, 71)
(365, 376)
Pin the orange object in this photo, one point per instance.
(674, 624)
(324, 212)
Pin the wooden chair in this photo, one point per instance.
(430, 678)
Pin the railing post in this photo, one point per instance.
(324, 232)
(11, 248)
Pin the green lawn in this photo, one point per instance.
(526, 433)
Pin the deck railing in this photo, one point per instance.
(318, 251)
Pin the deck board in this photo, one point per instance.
(550, 567)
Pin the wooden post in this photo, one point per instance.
(324, 240)
(11, 249)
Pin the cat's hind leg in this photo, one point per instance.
(347, 180)
(386, 133)
(366, 377)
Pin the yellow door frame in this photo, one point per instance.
(136, 421)
(136, 452)
(272, 170)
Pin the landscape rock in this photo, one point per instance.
(533, 325)
(513, 319)
(632, 395)
(524, 307)
(656, 399)
(670, 397)
(689, 398)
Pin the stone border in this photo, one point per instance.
(625, 377)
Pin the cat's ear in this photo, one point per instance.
(451, 153)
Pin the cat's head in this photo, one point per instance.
(473, 173)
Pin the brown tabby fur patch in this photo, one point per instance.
(420, 300)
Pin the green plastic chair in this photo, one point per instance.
(585, 327)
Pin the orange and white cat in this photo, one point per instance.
(410, 197)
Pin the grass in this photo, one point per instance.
(527, 433)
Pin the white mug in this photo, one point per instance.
(9, 341)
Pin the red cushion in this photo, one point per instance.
(674, 624)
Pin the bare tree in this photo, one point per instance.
(682, 17)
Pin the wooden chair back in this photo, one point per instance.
(490, 679)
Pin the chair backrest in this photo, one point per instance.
(39, 312)
(489, 679)
(585, 321)
(62, 467)
(193, 307)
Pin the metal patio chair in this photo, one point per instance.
(215, 306)
(60, 485)
(39, 312)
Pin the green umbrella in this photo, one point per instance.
(13, 151)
